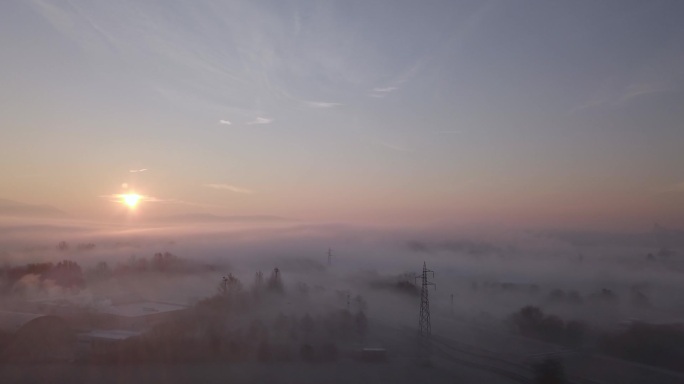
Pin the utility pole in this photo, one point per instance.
(424, 348)
(329, 257)
(259, 280)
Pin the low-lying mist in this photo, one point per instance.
(489, 271)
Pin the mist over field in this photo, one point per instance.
(462, 257)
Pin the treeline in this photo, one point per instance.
(653, 344)
(531, 321)
(403, 284)
(659, 345)
(284, 338)
(159, 262)
(227, 327)
(63, 246)
(68, 274)
(65, 274)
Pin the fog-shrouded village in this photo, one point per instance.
(272, 301)
(342, 191)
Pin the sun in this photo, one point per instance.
(131, 199)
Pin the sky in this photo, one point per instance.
(527, 113)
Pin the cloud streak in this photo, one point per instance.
(385, 89)
(138, 170)
(321, 104)
(260, 121)
(225, 122)
(230, 188)
(380, 92)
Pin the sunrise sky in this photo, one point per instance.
(560, 113)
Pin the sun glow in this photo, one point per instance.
(131, 199)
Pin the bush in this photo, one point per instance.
(660, 345)
(329, 352)
(549, 371)
(264, 352)
(532, 322)
(306, 352)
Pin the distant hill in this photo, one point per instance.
(210, 218)
(16, 209)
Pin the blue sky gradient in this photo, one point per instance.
(565, 113)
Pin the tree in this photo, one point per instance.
(329, 352)
(527, 320)
(549, 371)
(306, 352)
(361, 323)
(63, 246)
(360, 303)
(264, 351)
(307, 324)
(258, 281)
(281, 324)
(229, 285)
(164, 261)
(102, 270)
(67, 274)
(552, 328)
(275, 283)
(557, 296)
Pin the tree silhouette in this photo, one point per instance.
(275, 283)
(229, 285)
(361, 323)
(549, 371)
(67, 274)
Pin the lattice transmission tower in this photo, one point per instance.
(424, 349)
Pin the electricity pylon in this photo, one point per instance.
(424, 348)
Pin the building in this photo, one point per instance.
(100, 342)
(29, 337)
(139, 315)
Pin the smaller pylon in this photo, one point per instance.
(329, 257)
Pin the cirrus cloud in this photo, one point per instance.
(260, 120)
(230, 188)
(321, 104)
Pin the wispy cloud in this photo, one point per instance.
(260, 120)
(381, 92)
(231, 188)
(225, 122)
(385, 89)
(642, 89)
(321, 104)
(118, 197)
(609, 96)
(138, 170)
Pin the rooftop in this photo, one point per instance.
(108, 334)
(143, 308)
